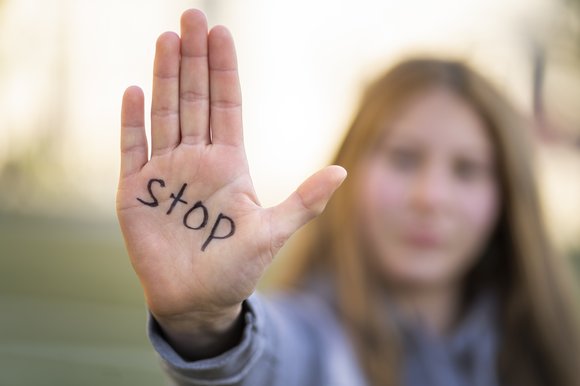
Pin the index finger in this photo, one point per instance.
(225, 92)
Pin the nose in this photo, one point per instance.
(432, 189)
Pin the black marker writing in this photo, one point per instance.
(200, 210)
(177, 199)
(153, 203)
(212, 234)
(193, 208)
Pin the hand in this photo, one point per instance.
(195, 232)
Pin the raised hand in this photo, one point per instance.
(195, 232)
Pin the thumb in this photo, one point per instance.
(307, 202)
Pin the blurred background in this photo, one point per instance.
(71, 308)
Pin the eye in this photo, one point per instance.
(469, 170)
(404, 159)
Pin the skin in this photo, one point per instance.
(196, 295)
(428, 203)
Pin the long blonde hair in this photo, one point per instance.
(538, 322)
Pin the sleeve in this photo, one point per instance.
(275, 350)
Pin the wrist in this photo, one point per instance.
(203, 322)
(203, 335)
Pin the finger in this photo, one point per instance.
(165, 101)
(133, 138)
(307, 202)
(194, 83)
(225, 93)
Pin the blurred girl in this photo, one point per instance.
(430, 266)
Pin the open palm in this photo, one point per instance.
(195, 232)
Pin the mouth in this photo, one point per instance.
(424, 239)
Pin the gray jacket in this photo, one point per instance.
(296, 339)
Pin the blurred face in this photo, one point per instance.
(428, 195)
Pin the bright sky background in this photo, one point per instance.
(65, 63)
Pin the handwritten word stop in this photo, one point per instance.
(196, 217)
